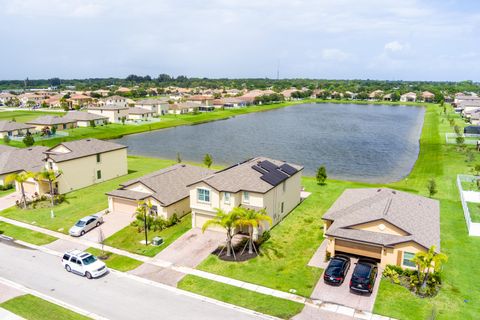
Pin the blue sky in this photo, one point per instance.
(341, 39)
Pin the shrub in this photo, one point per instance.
(392, 274)
(6, 139)
(28, 140)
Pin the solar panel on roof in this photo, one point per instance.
(257, 168)
(288, 169)
(267, 165)
(272, 179)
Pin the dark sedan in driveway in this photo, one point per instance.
(337, 270)
(363, 277)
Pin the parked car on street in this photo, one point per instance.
(364, 275)
(85, 224)
(83, 263)
(337, 270)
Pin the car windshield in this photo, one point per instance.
(89, 260)
(361, 271)
(80, 223)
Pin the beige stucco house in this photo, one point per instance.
(408, 97)
(12, 128)
(166, 189)
(258, 183)
(384, 224)
(157, 106)
(141, 114)
(60, 122)
(114, 113)
(82, 163)
(86, 119)
(14, 160)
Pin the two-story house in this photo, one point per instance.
(258, 183)
(114, 113)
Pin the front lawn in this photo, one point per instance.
(33, 308)
(115, 261)
(26, 235)
(273, 306)
(130, 239)
(6, 192)
(83, 202)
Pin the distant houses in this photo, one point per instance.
(12, 128)
(408, 97)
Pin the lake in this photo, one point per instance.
(371, 143)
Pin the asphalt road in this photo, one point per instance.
(112, 296)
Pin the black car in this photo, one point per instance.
(337, 270)
(364, 275)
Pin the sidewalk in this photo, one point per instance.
(7, 315)
(334, 308)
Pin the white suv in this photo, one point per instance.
(83, 263)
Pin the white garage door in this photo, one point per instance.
(29, 187)
(124, 205)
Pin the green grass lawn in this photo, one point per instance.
(85, 201)
(25, 116)
(276, 307)
(34, 308)
(129, 238)
(115, 261)
(6, 192)
(474, 209)
(26, 235)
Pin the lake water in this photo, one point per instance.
(372, 143)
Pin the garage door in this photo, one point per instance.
(358, 249)
(29, 187)
(124, 205)
(200, 219)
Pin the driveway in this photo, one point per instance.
(342, 295)
(112, 223)
(8, 200)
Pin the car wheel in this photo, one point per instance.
(88, 275)
(98, 223)
(67, 267)
(82, 233)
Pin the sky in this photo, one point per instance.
(340, 39)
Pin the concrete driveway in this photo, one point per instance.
(8, 200)
(342, 295)
(112, 223)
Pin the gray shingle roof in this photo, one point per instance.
(109, 107)
(12, 125)
(137, 110)
(83, 148)
(418, 216)
(28, 159)
(169, 185)
(83, 116)
(242, 177)
(51, 120)
(152, 102)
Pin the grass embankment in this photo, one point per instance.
(26, 235)
(34, 308)
(115, 261)
(83, 202)
(474, 209)
(241, 297)
(130, 239)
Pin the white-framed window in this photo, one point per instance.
(226, 197)
(203, 195)
(407, 259)
(246, 197)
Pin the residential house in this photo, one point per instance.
(408, 97)
(167, 190)
(182, 108)
(12, 128)
(383, 224)
(5, 97)
(102, 92)
(139, 114)
(375, 95)
(428, 96)
(229, 103)
(157, 106)
(460, 97)
(123, 90)
(204, 100)
(258, 183)
(15, 160)
(79, 100)
(114, 113)
(113, 101)
(387, 97)
(86, 119)
(82, 163)
(59, 122)
(54, 101)
(30, 98)
(287, 93)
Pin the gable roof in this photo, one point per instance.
(110, 107)
(51, 120)
(82, 148)
(418, 216)
(137, 110)
(83, 116)
(12, 125)
(245, 176)
(28, 159)
(169, 185)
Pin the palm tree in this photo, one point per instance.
(427, 261)
(227, 221)
(51, 176)
(21, 178)
(252, 219)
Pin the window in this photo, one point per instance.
(246, 197)
(407, 259)
(281, 208)
(99, 174)
(284, 186)
(98, 157)
(50, 164)
(203, 195)
(226, 198)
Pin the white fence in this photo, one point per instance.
(470, 138)
(469, 196)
